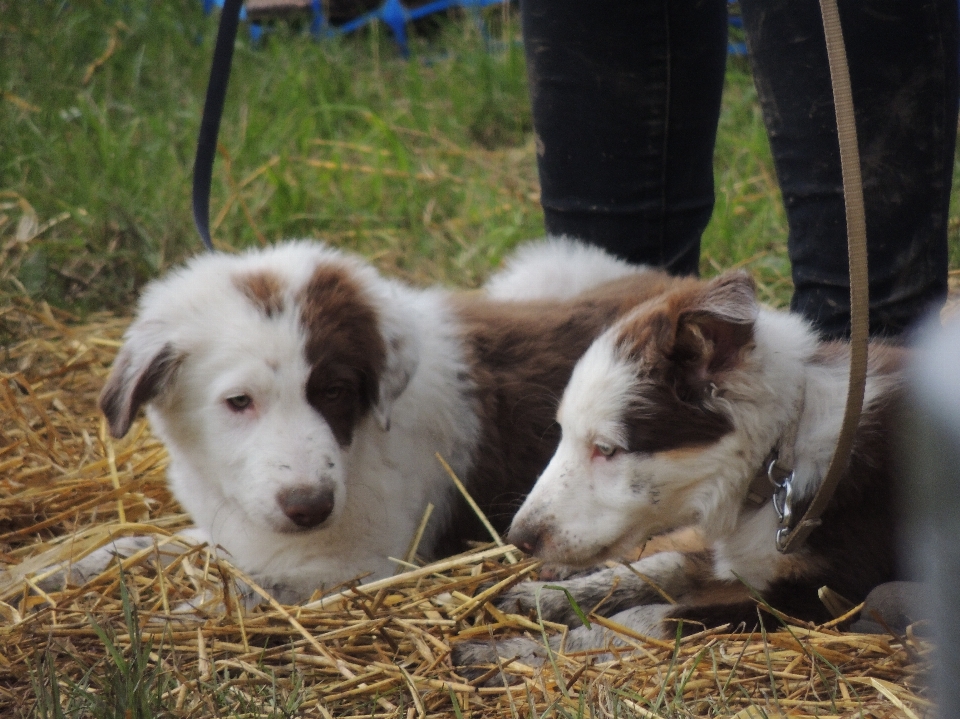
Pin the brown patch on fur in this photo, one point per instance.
(711, 602)
(680, 540)
(649, 332)
(704, 326)
(682, 453)
(741, 616)
(661, 420)
(713, 591)
(682, 343)
(264, 289)
(521, 356)
(344, 348)
(800, 566)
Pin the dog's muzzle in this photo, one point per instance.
(526, 537)
(306, 507)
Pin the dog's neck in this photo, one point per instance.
(766, 398)
(791, 403)
(777, 466)
(800, 394)
(436, 403)
(790, 382)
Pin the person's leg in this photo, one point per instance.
(626, 99)
(903, 59)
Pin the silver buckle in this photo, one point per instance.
(783, 534)
(782, 502)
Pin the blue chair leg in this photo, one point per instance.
(394, 15)
(318, 21)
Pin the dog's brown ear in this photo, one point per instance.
(136, 378)
(714, 330)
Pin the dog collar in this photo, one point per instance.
(768, 479)
(774, 482)
(774, 479)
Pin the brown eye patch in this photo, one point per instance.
(336, 392)
(658, 420)
(344, 348)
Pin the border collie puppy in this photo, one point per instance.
(302, 398)
(669, 420)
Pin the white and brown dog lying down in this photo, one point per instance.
(302, 397)
(668, 418)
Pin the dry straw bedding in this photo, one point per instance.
(378, 650)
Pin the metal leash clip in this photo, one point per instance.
(782, 502)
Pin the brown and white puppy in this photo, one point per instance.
(668, 418)
(302, 398)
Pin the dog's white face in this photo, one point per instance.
(258, 371)
(237, 415)
(646, 427)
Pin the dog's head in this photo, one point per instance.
(646, 423)
(258, 372)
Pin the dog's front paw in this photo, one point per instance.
(476, 659)
(554, 604)
(563, 572)
(524, 598)
(647, 619)
(78, 573)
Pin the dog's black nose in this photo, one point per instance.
(526, 538)
(306, 506)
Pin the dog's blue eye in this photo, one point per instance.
(607, 450)
(240, 402)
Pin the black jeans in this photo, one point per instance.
(626, 99)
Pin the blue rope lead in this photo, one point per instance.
(212, 111)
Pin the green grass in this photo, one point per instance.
(422, 165)
(749, 225)
(427, 167)
(125, 683)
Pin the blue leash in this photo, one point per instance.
(212, 112)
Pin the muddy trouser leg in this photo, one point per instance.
(903, 59)
(626, 100)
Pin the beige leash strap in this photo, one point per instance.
(859, 288)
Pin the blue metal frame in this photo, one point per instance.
(395, 16)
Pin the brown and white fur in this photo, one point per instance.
(667, 419)
(302, 398)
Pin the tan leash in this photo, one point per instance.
(790, 539)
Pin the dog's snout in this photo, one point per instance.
(526, 538)
(306, 507)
